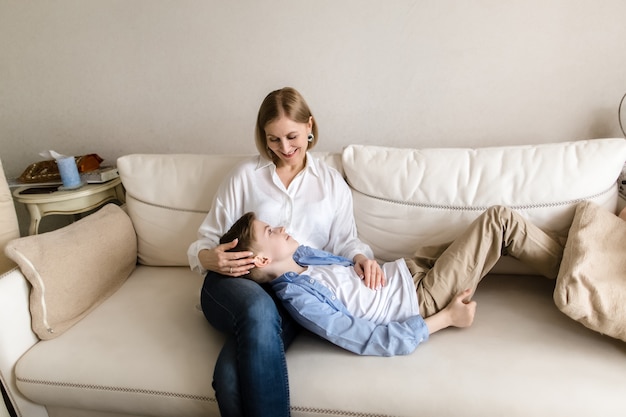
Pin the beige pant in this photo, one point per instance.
(440, 273)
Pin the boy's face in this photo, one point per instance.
(273, 242)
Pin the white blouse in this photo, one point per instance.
(316, 208)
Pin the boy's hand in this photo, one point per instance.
(462, 310)
(370, 272)
(459, 313)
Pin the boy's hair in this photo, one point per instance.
(243, 230)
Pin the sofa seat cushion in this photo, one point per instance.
(427, 197)
(520, 358)
(147, 350)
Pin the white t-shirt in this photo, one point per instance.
(396, 301)
(316, 209)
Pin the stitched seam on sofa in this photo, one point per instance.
(479, 208)
(166, 207)
(42, 286)
(327, 412)
(117, 389)
(5, 274)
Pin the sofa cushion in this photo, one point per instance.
(429, 196)
(148, 351)
(169, 195)
(145, 351)
(73, 269)
(167, 198)
(591, 285)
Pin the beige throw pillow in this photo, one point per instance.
(75, 268)
(591, 285)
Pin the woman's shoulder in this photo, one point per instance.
(331, 178)
(240, 173)
(251, 161)
(328, 164)
(247, 165)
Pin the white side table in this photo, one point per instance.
(80, 200)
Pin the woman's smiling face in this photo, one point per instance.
(288, 140)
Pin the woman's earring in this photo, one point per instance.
(310, 137)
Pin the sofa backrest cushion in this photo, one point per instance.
(169, 195)
(402, 197)
(405, 198)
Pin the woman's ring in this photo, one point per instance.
(231, 269)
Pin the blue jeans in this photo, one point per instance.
(250, 377)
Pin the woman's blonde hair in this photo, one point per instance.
(288, 102)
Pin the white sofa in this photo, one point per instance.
(147, 350)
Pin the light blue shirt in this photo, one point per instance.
(318, 309)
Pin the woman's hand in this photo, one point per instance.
(370, 272)
(232, 264)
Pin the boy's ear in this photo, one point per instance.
(261, 261)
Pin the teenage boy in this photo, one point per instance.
(420, 295)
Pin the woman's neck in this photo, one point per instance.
(287, 173)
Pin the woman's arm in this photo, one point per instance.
(343, 236)
(206, 253)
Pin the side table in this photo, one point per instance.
(65, 202)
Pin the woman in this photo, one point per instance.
(282, 185)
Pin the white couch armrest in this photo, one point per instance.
(16, 337)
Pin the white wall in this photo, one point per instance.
(120, 76)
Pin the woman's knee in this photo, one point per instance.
(233, 304)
